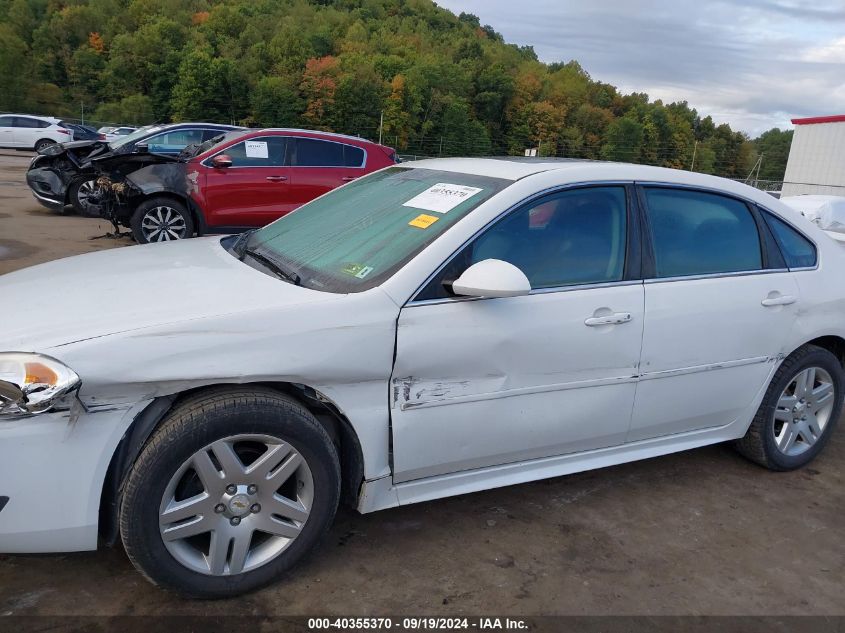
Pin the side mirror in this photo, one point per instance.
(221, 161)
(492, 278)
(141, 147)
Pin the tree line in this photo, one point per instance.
(430, 82)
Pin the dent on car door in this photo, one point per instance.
(491, 381)
(719, 310)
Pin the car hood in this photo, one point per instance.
(82, 143)
(100, 294)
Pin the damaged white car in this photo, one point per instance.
(433, 329)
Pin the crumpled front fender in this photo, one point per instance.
(47, 182)
(169, 177)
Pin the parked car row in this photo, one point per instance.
(175, 181)
(66, 174)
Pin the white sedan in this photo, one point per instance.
(433, 329)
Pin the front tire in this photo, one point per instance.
(235, 486)
(161, 220)
(798, 413)
(81, 194)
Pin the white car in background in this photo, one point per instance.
(828, 212)
(25, 131)
(432, 329)
(119, 132)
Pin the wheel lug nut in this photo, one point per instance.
(252, 489)
(231, 489)
(219, 508)
(255, 508)
(235, 521)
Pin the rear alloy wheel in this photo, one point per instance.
(85, 198)
(798, 412)
(44, 142)
(161, 220)
(234, 487)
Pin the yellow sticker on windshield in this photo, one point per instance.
(423, 221)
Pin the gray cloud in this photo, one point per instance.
(752, 63)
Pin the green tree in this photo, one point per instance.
(623, 141)
(14, 62)
(774, 147)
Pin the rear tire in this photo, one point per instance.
(799, 411)
(44, 142)
(161, 219)
(249, 518)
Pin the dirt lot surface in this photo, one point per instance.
(703, 532)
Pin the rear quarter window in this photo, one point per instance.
(353, 156)
(797, 250)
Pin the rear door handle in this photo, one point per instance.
(277, 178)
(348, 178)
(783, 300)
(611, 319)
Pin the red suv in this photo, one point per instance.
(242, 180)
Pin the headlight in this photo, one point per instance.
(33, 383)
(52, 150)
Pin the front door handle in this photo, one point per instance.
(611, 319)
(782, 300)
(348, 178)
(277, 178)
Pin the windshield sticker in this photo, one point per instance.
(423, 221)
(442, 197)
(256, 149)
(357, 270)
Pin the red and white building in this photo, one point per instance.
(816, 162)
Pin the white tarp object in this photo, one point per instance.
(828, 212)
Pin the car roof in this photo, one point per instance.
(222, 126)
(319, 132)
(31, 116)
(575, 170)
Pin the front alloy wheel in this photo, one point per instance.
(162, 224)
(85, 198)
(161, 219)
(230, 491)
(236, 504)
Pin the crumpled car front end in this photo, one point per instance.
(49, 186)
(51, 172)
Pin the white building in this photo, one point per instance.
(816, 162)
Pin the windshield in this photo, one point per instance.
(355, 237)
(134, 136)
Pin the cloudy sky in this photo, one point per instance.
(752, 63)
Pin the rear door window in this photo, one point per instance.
(23, 121)
(701, 233)
(309, 152)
